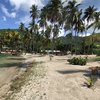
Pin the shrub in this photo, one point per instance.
(91, 81)
(78, 61)
(97, 52)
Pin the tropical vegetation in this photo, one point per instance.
(46, 25)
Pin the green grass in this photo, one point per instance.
(7, 60)
(4, 55)
(94, 59)
(19, 81)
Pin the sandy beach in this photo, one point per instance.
(58, 80)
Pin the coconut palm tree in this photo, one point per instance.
(96, 25)
(89, 15)
(54, 13)
(72, 17)
(79, 27)
(34, 15)
(46, 37)
(71, 12)
(21, 27)
(22, 33)
(43, 17)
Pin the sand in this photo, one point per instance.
(58, 80)
(61, 81)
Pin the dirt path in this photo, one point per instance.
(11, 68)
(66, 81)
(61, 82)
(58, 80)
(6, 75)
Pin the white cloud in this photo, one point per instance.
(79, 1)
(8, 14)
(26, 20)
(25, 4)
(4, 18)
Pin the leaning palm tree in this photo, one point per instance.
(96, 25)
(89, 15)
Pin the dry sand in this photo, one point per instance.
(58, 80)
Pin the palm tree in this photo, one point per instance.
(79, 26)
(72, 17)
(21, 27)
(55, 31)
(46, 37)
(22, 33)
(53, 11)
(43, 17)
(34, 15)
(96, 25)
(71, 11)
(89, 15)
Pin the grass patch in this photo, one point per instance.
(91, 81)
(19, 81)
(94, 59)
(5, 56)
(7, 61)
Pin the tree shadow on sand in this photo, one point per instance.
(86, 73)
(72, 71)
(14, 64)
(15, 58)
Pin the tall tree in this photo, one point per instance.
(34, 15)
(89, 15)
(22, 33)
(96, 25)
(54, 14)
(72, 17)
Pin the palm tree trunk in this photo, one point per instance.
(93, 39)
(71, 40)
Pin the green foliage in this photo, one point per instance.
(91, 81)
(68, 17)
(97, 52)
(78, 61)
(4, 55)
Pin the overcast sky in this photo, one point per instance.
(12, 12)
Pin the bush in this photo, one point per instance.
(78, 61)
(91, 81)
(97, 52)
